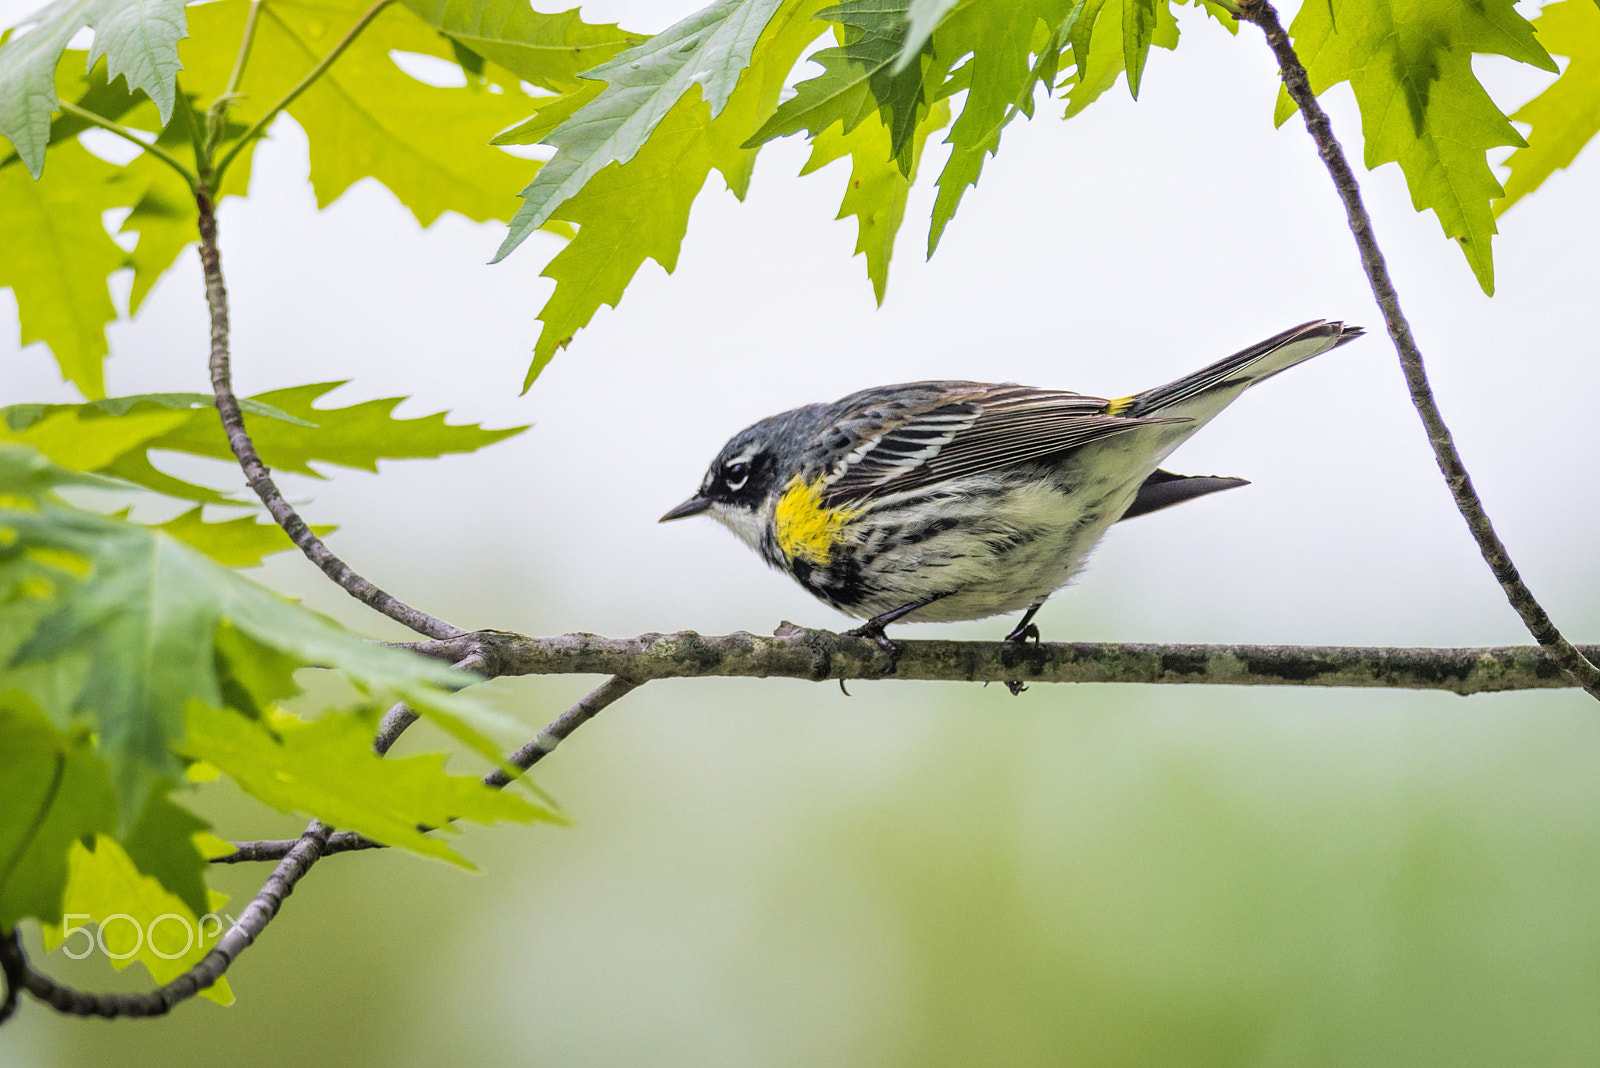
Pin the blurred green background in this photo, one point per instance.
(771, 873)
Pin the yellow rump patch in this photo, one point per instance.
(1118, 406)
(804, 528)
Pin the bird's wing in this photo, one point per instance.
(987, 428)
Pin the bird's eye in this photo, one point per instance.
(734, 476)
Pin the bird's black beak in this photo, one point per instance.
(695, 505)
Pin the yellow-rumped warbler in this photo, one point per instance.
(941, 501)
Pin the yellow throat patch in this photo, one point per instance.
(804, 528)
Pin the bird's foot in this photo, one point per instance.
(1023, 632)
(872, 630)
(1020, 635)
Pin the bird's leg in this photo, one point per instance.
(1019, 635)
(873, 629)
(1025, 628)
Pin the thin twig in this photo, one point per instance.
(297, 859)
(277, 848)
(1581, 668)
(536, 750)
(256, 473)
(305, 83)
(816, 655)
(14, 967)
(128, 135)
(393, 725)
(545, 742)
(400, 717)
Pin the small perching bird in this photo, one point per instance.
(943, 501)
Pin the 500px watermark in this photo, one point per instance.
(129, 936)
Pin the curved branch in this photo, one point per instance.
(545, 742)
(1579, 667)
(297, 860)
(798, 653)
(256, 473)
(14, 967)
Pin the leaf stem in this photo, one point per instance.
(128, 135)
(1562, 652)
(245, 44)
(305, 83)
(217, 113)
(202, 151)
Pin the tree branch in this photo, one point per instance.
(14, 967)
(1579, 667)
(297, 860)
(545, 742)
(798, 653)
(256, 473)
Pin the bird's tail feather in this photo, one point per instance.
(1255, 364)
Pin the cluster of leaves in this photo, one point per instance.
(636, 125)
(631, 156)
(133, 661)
(134, 664)
(364, 116)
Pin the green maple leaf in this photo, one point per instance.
(114, 436)
(238, 542)
(53, 791)
(60, 243)
(922, 17)
(1410, 64)
(139, 918)
(365, 117)
(877, 191)
(142, 612)
(637, 211)
(163, 846)
(549, 51)
(1001, 77)
(138, 38)
(56, 255)
(357, 436)
(551, 115)
(709, 50)
(1566, 115)
(859, 77)
(55, 794)
(327, 769)
(1110, 38)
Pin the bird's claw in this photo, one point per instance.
(872, 630)
(1020, 635)
(1024, 633)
